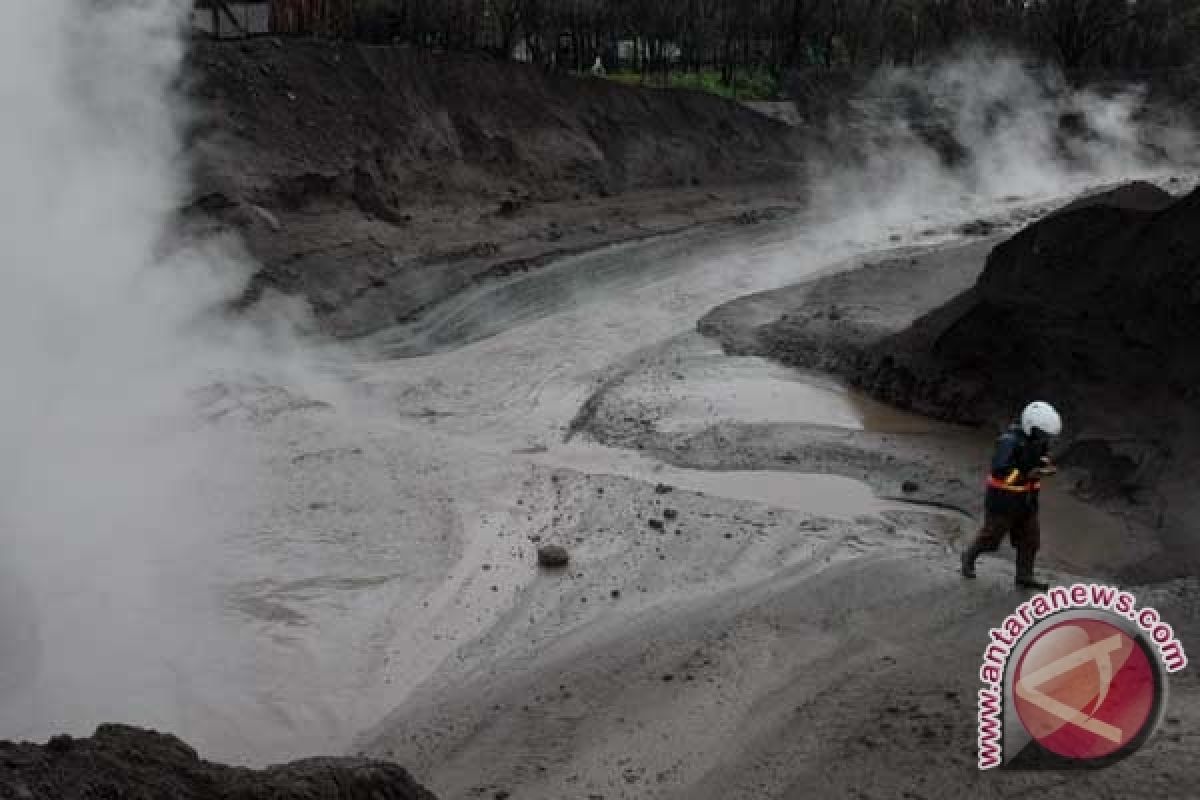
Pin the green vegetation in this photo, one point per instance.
(746, 85)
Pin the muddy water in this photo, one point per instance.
(822, 495)
(708, 386)
(508, 365)
(704, 387)
(484, 402)
(387, 533)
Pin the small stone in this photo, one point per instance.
(670, 513)
(668, 677)
(663, 488)
(910, 486)
(552, 555)
(615, 593)
(656, 524)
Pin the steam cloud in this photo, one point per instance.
(108, 326)
(933, 144)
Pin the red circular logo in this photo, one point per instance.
(1085, 689)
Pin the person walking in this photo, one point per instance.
(1019, 463)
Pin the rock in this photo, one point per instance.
(910, 486)
(670, 513)
(135, 764)
(656, 524)
(663, 488)
(552, 555)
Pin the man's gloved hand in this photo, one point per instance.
(1046, 469)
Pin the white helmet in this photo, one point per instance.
(1041, 416)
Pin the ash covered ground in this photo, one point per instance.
(339, 550)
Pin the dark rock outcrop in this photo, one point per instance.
(125, 763)
(1096, 308)
(375, 181)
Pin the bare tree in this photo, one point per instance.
(1075, 28)
(506, 17)
(765, 36)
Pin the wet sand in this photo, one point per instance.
(782, 628)
(384, 596)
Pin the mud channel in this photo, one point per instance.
(762, 587)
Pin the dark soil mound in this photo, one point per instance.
(1096, 308)
(1134, 196)
(300, 123)
(377, 181)
(134, 764)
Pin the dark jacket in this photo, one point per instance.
(1016, 456)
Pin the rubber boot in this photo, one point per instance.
(968, 561)
(1025, 579)
(1030, 582)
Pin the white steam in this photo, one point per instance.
(938, 144)
(107, 327)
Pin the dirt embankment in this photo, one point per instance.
(1068, 308)
(1094, 307)
(135, 764)
(374, 180)
(1098, 309)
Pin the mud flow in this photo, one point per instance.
(301, 400)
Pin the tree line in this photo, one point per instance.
(771, 35)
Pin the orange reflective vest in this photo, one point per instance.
(1010, 484)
